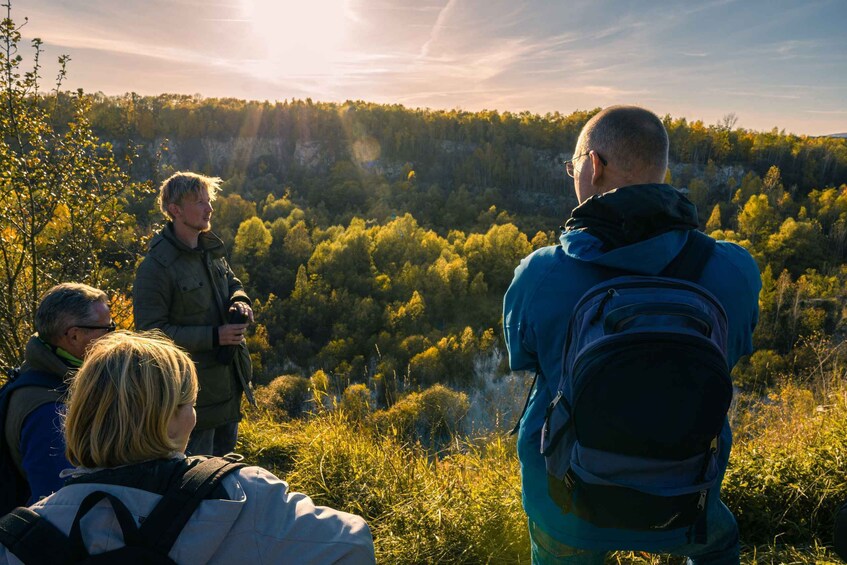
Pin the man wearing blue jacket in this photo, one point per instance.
(627, 220)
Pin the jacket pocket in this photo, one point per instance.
(194, 296)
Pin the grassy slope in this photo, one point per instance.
(786, 478)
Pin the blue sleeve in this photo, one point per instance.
(739, 286)
(43, 450)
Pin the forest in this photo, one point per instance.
(377, 242)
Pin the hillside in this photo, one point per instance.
(377, 242)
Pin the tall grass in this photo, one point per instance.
(458, 506)
(787, 476)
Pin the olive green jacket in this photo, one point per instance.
(186, 293)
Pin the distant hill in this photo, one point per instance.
(837, 135)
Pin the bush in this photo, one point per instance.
(320, 388)
(760, 370)
(433, 416)
(356, 402)
(285, 396)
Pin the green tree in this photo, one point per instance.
(757, 219)
(252, 241)
(63, 195)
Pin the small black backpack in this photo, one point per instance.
(34, 540)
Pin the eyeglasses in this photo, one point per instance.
(569, 164)
(110, 328)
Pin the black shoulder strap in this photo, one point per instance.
(33, 539)
(122, 513)
(34, 377)
(692, 258)
(526, 403)
(164, 524)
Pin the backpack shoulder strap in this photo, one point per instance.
(692, 258)
(122, 514)
(33, 539)
(164, 524)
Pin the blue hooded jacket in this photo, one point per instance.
(538, 305)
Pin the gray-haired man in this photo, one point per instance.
(69, 318)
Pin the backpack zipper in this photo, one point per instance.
(628, 319)
(701, 504)
(545, 427)
(609, 294)
(651, 282)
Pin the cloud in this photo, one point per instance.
(438, 27)
(760, 94)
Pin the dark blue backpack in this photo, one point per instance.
(14, 488)
(631, 436)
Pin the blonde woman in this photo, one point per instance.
(130, 414)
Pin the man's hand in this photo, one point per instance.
(244, 308)
(232, 334)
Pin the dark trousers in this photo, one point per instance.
(215, 441)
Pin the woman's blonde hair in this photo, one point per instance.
(121, 400)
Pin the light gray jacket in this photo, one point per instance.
(262, 523)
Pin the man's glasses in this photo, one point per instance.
(110, 328)
(569, 164)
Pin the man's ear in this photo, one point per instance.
(67, 340)
(597, 168)
(173, 208)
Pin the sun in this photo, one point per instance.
(298, 37)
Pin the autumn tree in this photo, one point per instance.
(62, 195)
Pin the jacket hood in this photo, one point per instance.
(638, 228)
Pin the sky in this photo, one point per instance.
(772, 63)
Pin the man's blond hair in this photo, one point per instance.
(176, 187)
(123, 397)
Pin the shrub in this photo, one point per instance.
(284, 396)
(759, 371)
(432, 416)
(356, 402)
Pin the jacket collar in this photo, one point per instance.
(638, 228)
(207, 242)
(40, 356)
(631, 214)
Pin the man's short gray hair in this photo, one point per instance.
(178, 185)
(631, 139)
(64, 306)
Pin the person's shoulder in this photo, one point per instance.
(540, 261)
(162, 253)
(735, 259)
(293, 514)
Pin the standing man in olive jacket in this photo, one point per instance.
(185, 288)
